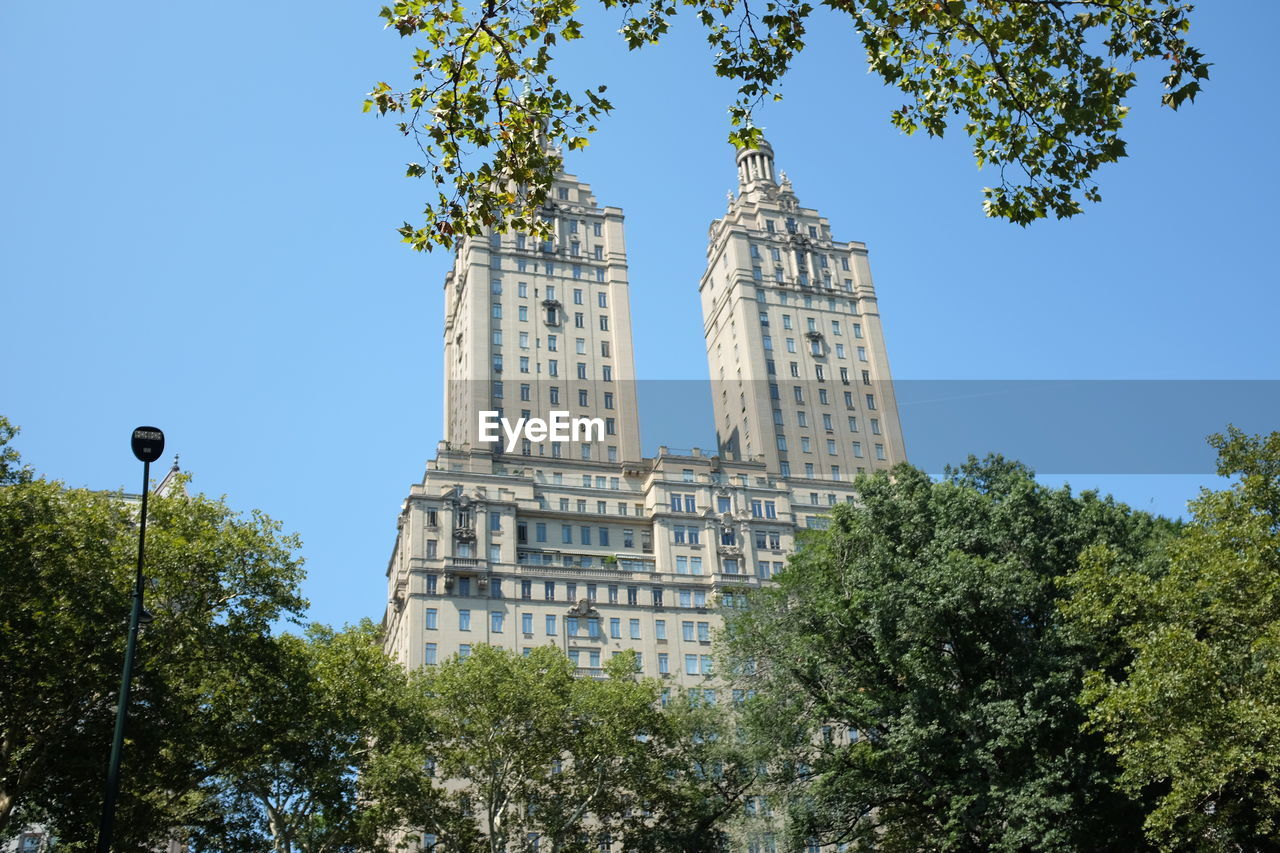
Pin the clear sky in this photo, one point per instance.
(197, 232)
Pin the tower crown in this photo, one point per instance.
(756, 165)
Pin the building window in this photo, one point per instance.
(429, 654)
(683, 503)
(464, 620)
(495, 621)
(432, 619)
(551, 625)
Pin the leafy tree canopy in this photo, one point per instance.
(1190, 705)
(528, 756)
(11, 468)
(317, 743)
(1039, 86)
(922, 629)
(217, 580)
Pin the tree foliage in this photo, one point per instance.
(525, 755)
(706, 768)
(11, 468)
(923, 628)
(1039, 86)
(310, 737)
(216, 582)
(1191, 703)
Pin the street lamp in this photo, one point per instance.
(147, 444)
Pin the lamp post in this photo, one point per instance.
(147, 444)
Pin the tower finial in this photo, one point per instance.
(755, 164)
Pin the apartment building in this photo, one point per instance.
(585, 543)
(799, 370)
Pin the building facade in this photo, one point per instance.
(586, 544)
(798, 365)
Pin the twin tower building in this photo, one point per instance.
(561, 531)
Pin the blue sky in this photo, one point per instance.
(197, 232)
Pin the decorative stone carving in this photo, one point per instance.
(583, 608)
